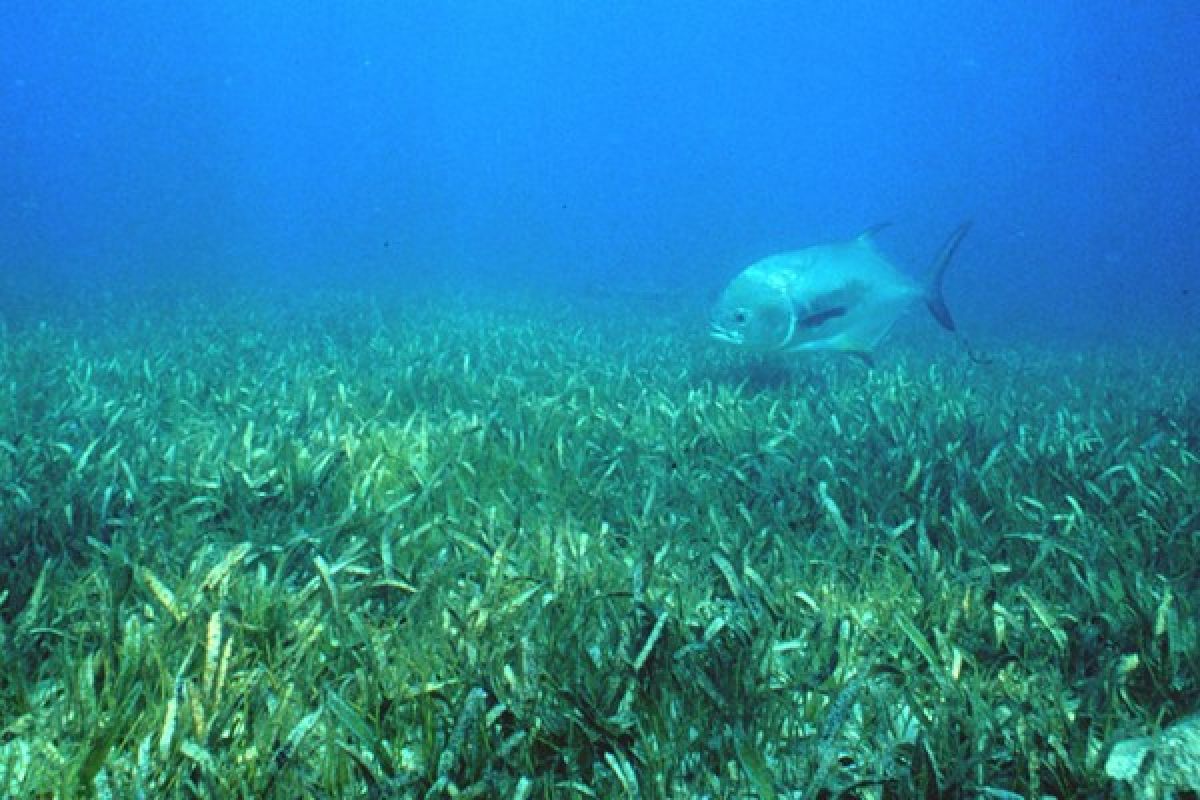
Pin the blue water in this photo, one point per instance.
(616, 144)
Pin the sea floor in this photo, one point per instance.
(433, 546)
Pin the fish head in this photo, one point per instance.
(754, 311)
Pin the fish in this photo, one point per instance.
(841, 296)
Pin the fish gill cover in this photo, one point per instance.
(361, 433)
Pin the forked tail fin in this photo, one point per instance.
(933, 291)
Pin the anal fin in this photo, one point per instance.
(853, 346)
(865, 357)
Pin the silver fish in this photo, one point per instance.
(844, 296)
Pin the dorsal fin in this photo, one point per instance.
(868, 236)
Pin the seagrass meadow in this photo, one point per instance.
(423, 546)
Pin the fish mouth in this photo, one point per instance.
(723, 334)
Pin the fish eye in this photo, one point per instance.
(740, 316)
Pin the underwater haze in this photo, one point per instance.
(670, 401)
(614, 144)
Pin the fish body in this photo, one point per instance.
(844, 296)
